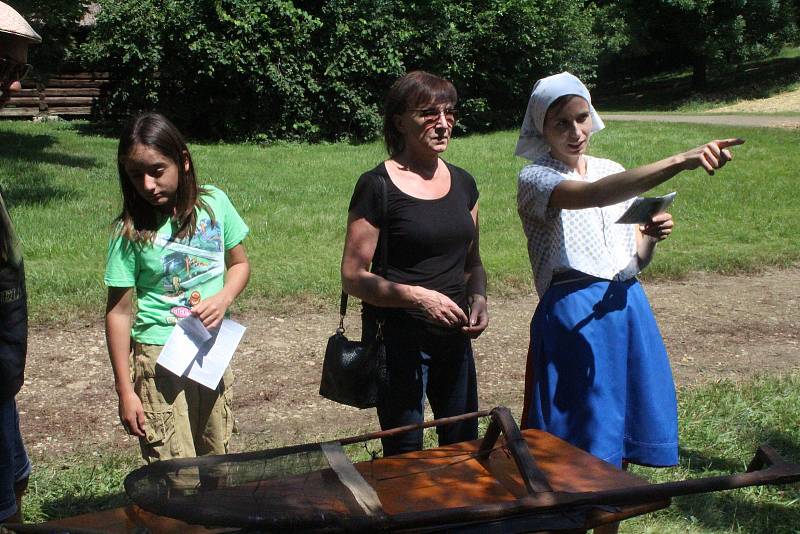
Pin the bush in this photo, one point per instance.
(357, 55)
(314, 70)
(214, 67)
(56, 21)
(494, 50)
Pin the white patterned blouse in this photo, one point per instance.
(586, 240)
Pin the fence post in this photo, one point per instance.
(40, 91)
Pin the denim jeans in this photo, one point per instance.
(424, 363)
(14, 464)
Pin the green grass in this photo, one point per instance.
(789, 52)
(78, 484)
(721, 426)
(63, 191)
(672, 91)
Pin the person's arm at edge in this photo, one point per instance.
(475, 277)
(359, 248)
(119, 308)
(575, 194)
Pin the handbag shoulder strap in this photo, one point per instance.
(383, 238)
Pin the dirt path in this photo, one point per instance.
(772, 121)
(714, 326)
(780, 103)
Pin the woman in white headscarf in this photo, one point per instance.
(597, 373)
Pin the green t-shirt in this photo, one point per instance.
(171, 275)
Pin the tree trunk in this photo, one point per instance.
(699, 68)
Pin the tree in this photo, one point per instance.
(319, 69)
(357, 48)
(220, 68)
(701, 33)
(494, 50)
(57, 21)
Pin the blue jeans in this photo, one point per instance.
(14, 464)
(422, 363)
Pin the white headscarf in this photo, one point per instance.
(13, 24)
(531, 142)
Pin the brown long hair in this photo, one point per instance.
(139, 220)
(417, 88)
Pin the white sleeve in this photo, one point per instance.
(534, 187)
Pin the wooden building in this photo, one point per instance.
(64, 95)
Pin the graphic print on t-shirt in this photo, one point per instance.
(190, 262)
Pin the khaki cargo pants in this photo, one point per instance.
(182, 418)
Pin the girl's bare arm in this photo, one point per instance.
(119, 307)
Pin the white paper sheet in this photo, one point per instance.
(187, 353)
(641, 211)
(178, 352)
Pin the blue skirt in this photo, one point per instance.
(598, 375)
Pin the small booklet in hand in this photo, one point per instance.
(643, 209)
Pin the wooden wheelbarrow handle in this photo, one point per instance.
(766, 468)
(775, 471)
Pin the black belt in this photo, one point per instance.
(573, 275)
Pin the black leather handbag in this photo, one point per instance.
(354, 372)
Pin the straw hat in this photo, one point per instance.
(13, 24)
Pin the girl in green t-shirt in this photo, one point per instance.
(178, 246)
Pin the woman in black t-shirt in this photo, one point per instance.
(432, 297)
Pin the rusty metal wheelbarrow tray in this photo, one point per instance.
(511, 480)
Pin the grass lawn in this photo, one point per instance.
(721, 426)
(62, 187)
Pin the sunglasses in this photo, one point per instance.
(431, 115)
(11, 70)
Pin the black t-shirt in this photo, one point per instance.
(428, 239)
(13, 309)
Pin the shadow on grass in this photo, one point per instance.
(32, 148)
(110, 128)
(758, 79)
(71, 505)
(36, 191)
(767, 512)
(20, 154)
(731, 512)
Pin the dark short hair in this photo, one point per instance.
(417, 88)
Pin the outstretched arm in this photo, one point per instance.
(575, 194)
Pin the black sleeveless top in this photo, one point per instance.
(428, 239)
